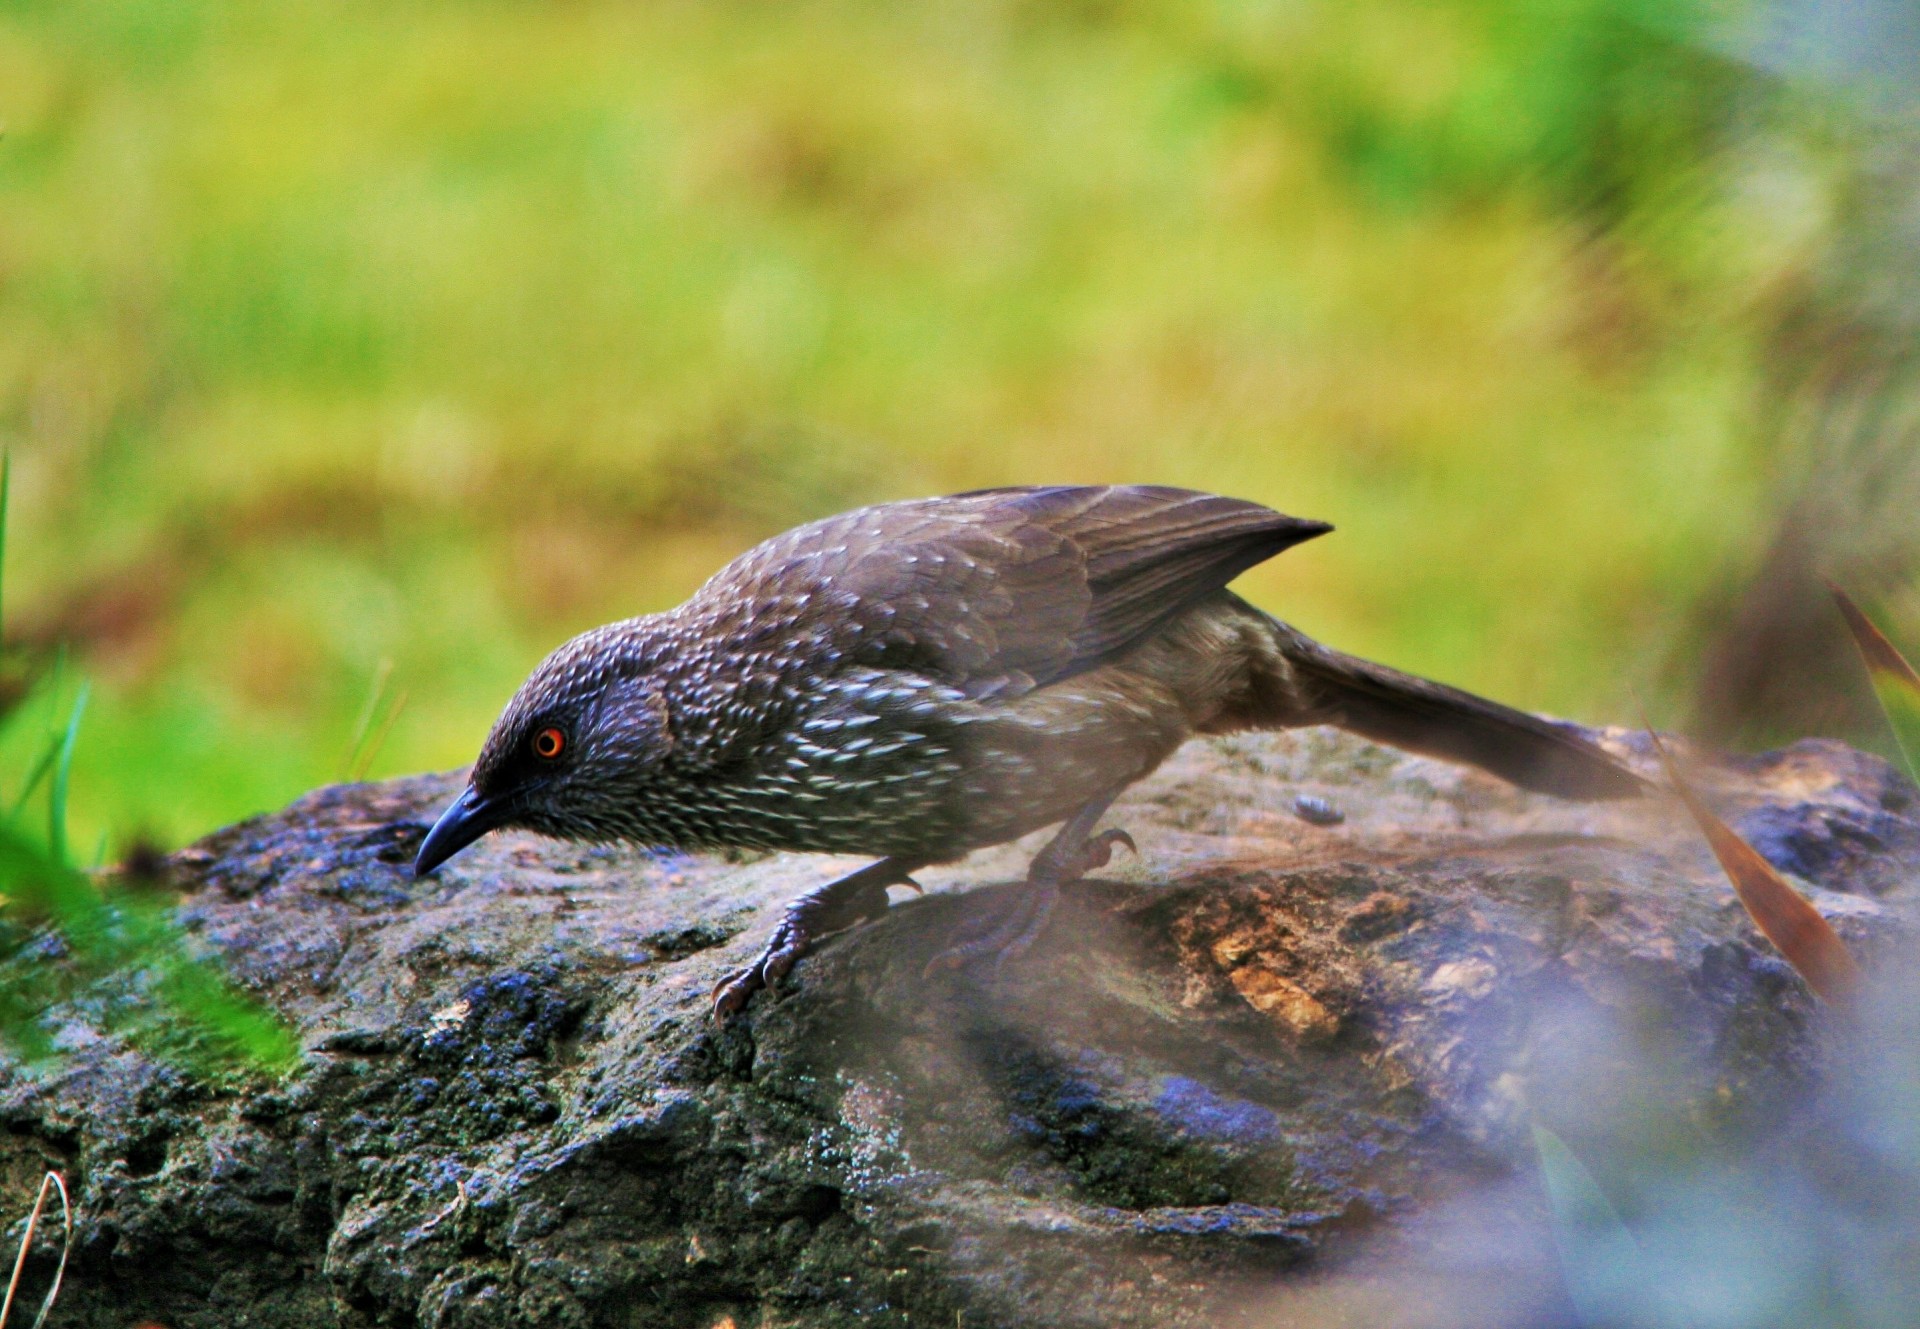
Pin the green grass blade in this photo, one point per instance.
(1598, 1255)
(49, 757)
(234, 1023)
(1895, 681)
(1902, 705)
(371, 750)
(112, 934)
(36, 884)
(62, 771)
(41, 768)
(376, 690)
(6, 488)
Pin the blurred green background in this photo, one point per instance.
(346, 344)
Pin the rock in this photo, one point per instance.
(1249, 1060)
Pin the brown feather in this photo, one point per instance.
(1022, 586)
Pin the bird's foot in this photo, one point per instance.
(855, 898)
(1003, 933)
(1060, 862)
(1012, 932)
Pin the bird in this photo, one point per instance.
(918, 679)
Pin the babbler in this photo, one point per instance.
(920, 679)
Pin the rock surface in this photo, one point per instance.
(1245, 1062)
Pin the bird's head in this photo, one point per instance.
(569, 754)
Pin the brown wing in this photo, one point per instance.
(1012, 588)
(1151, 552)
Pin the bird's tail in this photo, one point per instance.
(1548, 756)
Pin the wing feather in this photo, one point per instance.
(1011, 588)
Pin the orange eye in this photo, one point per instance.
(548, 743)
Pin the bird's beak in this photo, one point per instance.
(466, 819)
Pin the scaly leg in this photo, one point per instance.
(1073, 852)
(854, 898)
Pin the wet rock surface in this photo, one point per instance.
(1243, 1062)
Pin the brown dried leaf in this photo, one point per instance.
(1894, 680)
(1881, 655)
(1781, 913)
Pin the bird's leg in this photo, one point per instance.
(1073, 852)
(854, 898)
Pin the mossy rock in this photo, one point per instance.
(1242, 1065)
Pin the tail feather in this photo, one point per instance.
(1547, 756)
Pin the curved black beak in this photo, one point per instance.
(466, 819)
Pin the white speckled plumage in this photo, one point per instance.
(919, 679)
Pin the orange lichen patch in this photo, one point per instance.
(1376, 916)
(1286, 1002)
(1231, 949)
(1273, 946)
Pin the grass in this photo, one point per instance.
(106, 948)
(110, 951)
(433, 333)
(53, 1182)
(1895, 682)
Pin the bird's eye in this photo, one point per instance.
(548, 743)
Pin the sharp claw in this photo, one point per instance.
(730, 996)
(1098, 850)
(808, 920)
(732, 993)
(777, 967)
(735, 979)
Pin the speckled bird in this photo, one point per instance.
(919, 679)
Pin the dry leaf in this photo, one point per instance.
(1894, 680)
(1782, 914)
